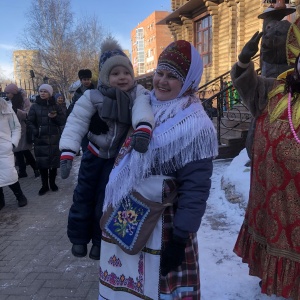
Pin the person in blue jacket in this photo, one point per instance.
(181, 150)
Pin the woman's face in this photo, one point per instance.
(166, 85)
(60, 100)
(9, 95)
(44, 94)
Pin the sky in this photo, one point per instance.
(223, 276)
(118, 17)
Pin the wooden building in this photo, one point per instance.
(148, 40)
(218, 29)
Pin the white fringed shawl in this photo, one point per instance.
(183, 133)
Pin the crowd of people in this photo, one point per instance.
(141, 148)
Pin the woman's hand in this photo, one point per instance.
(52, 114)
(173, 255)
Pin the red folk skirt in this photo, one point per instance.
(269, 239)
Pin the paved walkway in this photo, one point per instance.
(35, 257)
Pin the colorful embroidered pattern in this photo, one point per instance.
(124, 283)
(126, 221)
(114, 261)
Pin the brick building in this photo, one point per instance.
(147, 42)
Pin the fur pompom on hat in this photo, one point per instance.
(112, 56)
(84, 73)
(176, 58)
(46, 87)
(11, 88)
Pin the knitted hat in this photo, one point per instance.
(11, 88)
(176, 58)
(58, 95)
(47, 87)
(84, 73)
(112, 56)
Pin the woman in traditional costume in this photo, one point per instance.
(269, 239)
(179, 158)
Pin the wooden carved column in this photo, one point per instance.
(212, 8)
(175, 30)
(232, 30)
(240, 21)
(187, 29)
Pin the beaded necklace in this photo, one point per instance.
(290, 119)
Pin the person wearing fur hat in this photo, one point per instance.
(121, 103)
(10, 133)
(178, 163)
(85, 77)
(268, 240)
(21, 105)
(44, 122)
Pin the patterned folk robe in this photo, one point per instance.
(269, 240)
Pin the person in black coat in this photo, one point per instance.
(61, 102)
(45, 119)
(85, 76)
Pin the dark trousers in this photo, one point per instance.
(20, 160)
(48, 176)
(86, 210)
(16, 189)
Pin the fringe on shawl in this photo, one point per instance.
(196, 139)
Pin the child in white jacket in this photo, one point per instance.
(121, 103)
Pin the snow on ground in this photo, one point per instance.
(223, 275)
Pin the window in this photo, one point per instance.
(204, 39)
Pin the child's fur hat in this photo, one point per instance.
(84, 73)
(112, 56)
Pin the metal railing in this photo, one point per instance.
(26, 85)
(221, 101)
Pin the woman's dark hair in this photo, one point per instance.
(17, 102)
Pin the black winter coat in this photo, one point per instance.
(78, 93)
(46, 132)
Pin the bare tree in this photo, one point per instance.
(89, 36)
(64, 47)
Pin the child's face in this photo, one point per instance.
(60, 100)
(120, 77)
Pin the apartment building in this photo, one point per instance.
(148, 41)
(24, 60)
